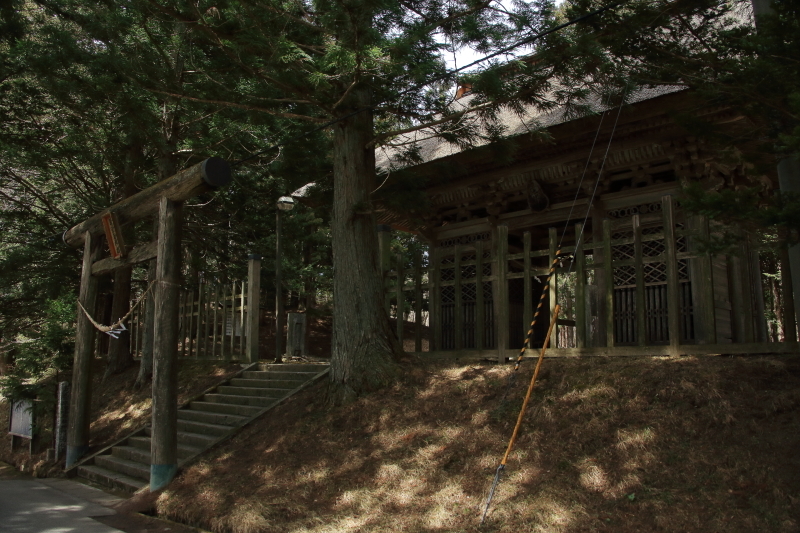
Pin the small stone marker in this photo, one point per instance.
(296, 335)
(62, 415)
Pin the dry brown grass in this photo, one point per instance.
(622, 445)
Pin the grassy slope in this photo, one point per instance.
(623, 445)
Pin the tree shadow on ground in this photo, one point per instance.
(645, 444)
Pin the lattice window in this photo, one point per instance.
(683, 270)
(680, 243)
(487, 291)
(655, 273)
(448, 294)
(468, 271)
(624, 276)
(469, 292)
(653, 248)
(448, 274)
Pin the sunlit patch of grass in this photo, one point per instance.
(592, 476)
(596, 393)
(636, 438)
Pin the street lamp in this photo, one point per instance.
(285, 203)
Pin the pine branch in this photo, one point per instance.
(239, 106)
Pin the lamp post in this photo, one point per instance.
(285, 203)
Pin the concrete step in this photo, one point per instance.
(196, 440)
(253, 391)
(211, 418)
(202, 428)
(110, 478)
(144, 443)
(311, 368)
(132, 453)
(277, 374)
(191, 440)
(236, 399)
(287, 384)
(228, 409)
(124, 466)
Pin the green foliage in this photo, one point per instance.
(39, 355)
(774, 219)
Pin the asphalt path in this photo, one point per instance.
(52, 506)
(58, 505)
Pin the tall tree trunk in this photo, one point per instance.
(120, 357)
(364, 348)
(146, 365)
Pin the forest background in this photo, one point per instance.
(101, 99)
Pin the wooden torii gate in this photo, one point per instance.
(164, 199)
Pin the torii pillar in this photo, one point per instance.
(163, 199)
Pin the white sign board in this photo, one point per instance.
(21, 423)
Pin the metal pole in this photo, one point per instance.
(278, 291)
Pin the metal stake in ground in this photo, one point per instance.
(522, 411)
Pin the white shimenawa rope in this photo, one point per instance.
(115, 329)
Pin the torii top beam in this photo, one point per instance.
(213, 173)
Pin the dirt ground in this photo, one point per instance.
(690, 444)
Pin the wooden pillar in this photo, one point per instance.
(673, 291)
(253, 305)
(789, 180)
(757, 282)
(458, 315)
(385, 263)
(207, 319)
(580, 289)
(480, 311)
(401, 278)
(527, 301)
(243, 336)
(198, 342)
(224, 313)
(608, 283)
(384, 242)
(418, 301)
(789, 319)
(435, 297)
(705, 323)
(233, 319)
(81, 398)
(599, 291)
(741, 300)
(164, 448)
(553, 294)
(501, 292)
(641, 310)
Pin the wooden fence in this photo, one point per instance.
(216, 321)
(638, 284)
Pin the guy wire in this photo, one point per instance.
(554, 319)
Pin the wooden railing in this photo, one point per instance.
(217, 321)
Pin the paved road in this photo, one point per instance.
(52, 506)
(30, 505)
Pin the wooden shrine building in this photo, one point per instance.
(633, 280)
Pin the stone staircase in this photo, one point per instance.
(202, 423)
